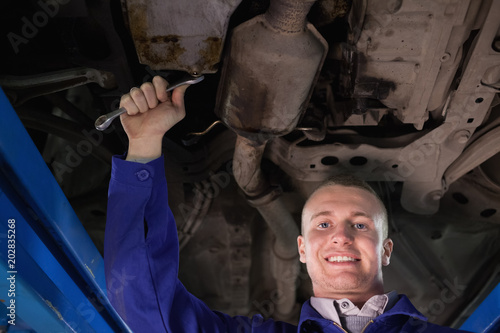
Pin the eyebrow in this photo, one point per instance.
(323, 213)
(330, 213)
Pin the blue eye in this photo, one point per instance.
(360, 226)
(324, 225)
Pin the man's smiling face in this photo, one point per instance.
(343, 244)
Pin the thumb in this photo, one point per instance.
(178, 96)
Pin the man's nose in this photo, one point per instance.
(342, 235)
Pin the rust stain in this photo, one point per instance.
(91, 273)
(160, 50)
(137, 14)
(152, 50)
(174, 48)
(210, 55)
(325, 11)
(171, 39)
(49, 304)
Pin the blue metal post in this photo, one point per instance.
(32, 280)
(486, 317)
(57, 244)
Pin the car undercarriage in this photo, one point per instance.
(401, 93)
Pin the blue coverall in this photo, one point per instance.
(142, 268)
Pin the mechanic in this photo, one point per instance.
(343, 243)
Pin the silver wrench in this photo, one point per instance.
(104, 121)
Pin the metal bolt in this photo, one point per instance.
(496, 44)
(445, 57)
(462, 136)
(436, 195)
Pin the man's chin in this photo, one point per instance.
(345, 282)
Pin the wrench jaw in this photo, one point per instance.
(103, 122)
(100, 123)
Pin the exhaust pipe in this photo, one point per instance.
(267, 80)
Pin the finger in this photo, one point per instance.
(128, 103)
(149, 92)
(139, 99)
(178, 96)
(160, 85)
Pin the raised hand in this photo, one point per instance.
(151, 112)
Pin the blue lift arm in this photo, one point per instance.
(59, 273)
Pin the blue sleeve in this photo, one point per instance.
(141, 255)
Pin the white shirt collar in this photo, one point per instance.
(331, 309)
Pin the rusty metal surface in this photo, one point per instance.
(266, 54)
(170, 35)
(398, 55)
(325, 12)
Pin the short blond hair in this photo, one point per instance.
(347, 180)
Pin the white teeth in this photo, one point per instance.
(340, 259)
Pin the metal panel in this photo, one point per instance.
(174, 35)
(407, 51)
(33, 191)
(486, 318)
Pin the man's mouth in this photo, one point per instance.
(341, 259)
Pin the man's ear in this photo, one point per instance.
(387, 251)
(302, 249)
